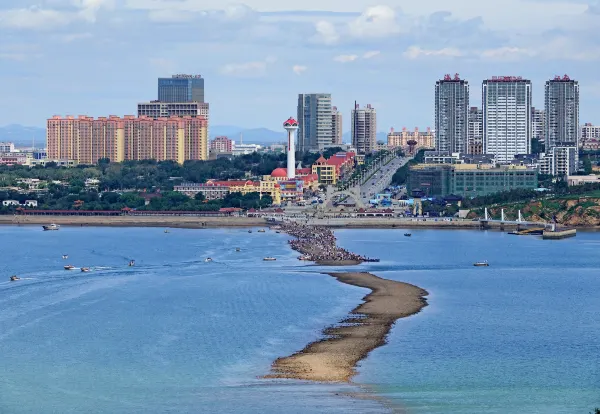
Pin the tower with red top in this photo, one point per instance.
(291, 126)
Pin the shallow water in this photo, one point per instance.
(176, 334)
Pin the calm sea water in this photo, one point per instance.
(177, 334)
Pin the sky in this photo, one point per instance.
(102, 57)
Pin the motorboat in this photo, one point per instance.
(237, 249)
(269, 259)
(261, 231)
(208, 259)
(304, 258)
(166, 231)
(481, 264)
(13, 278)
(249, 231)
(277, 231)
(65, 256)
(85, 269)
(51, 227)
(407, 234)
(132, 263)
(69, 267)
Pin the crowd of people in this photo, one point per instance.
(318, 244)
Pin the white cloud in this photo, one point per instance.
(375, 22)
(170, 16)
(371, 54)
(33, 18)
(248, 69)
(326, 33)
(507, 53)
(299, 69)
(345, 58)
(416, 52)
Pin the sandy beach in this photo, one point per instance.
(334, 358)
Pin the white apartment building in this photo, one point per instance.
(562, 112)
(506, 117)
(7, 147)
(538, 124)
(451, 114)
(475, 131)
(336, 125)
(364, 128)
(590, 137)
(560, 161)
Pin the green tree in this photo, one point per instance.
(199, 197)
(587, 165)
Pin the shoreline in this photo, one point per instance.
(215, 222)
(334, 357)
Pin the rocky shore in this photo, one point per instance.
(334, 358)
(318, 244)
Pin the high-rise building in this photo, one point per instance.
(364, 128)
(220, 145)
(538, 124)
(475, 131)
(506, 117)
(336, 125)
(87, 140)
(315, 122)
(562, 112)
(181, 88)
(451, 114)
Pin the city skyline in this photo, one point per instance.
(283, 51)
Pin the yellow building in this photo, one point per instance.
(271, 188)
(400, 138)
(326, 172)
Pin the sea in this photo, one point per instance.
(178, 334)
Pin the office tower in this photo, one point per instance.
(475, 131)
(336, 125)
(506, 117)
(562, 112)
(181, 88)
(314, 120)
(87, 140)
(451, 114)
(364, 128)
(538, 124)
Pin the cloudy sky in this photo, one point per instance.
(101, 57)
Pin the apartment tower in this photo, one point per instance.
(475, 131)
(315, 131)
(451, 114)
(506, 117)
(562, 112)
(364, 128)
(336, 125)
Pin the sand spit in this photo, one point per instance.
(334, 358)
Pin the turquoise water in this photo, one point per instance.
(176, 334)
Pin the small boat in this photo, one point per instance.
(13, 278)
(69, 267)
(65, 256)
(166, 231)
(269, 259)
(85, 269)
(51, 227)
(208, 259)
(132, 263)
(261, 231)
(249, 231)
(304, 258)
(237, 249)
(407, 234)
(277, 231)
(481, 264)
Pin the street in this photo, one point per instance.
(381, 179)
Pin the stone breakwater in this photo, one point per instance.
(319, 244)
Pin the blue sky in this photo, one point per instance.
(101, 57)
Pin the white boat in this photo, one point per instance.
(51, 227)
(208, 259)
(131, 263)
(69, 267)
(166, 231)
(261, 230)
(65, 256)
(85, 269)
(13, 278)
(481, 264)
(269, 259)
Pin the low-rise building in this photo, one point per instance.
(244, 149)
(469, 180)
(330, 170)
(401, 139)
(7, 147)
(560, 161)
(217, 190)
(583, 179)
(58, 162)
(221, 145)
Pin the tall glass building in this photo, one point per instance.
(451, 114)
(181, 88)
(507, 124)
(315, 124)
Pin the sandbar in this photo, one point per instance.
(334, 358)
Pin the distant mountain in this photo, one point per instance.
(23, 135)
(250, 136)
